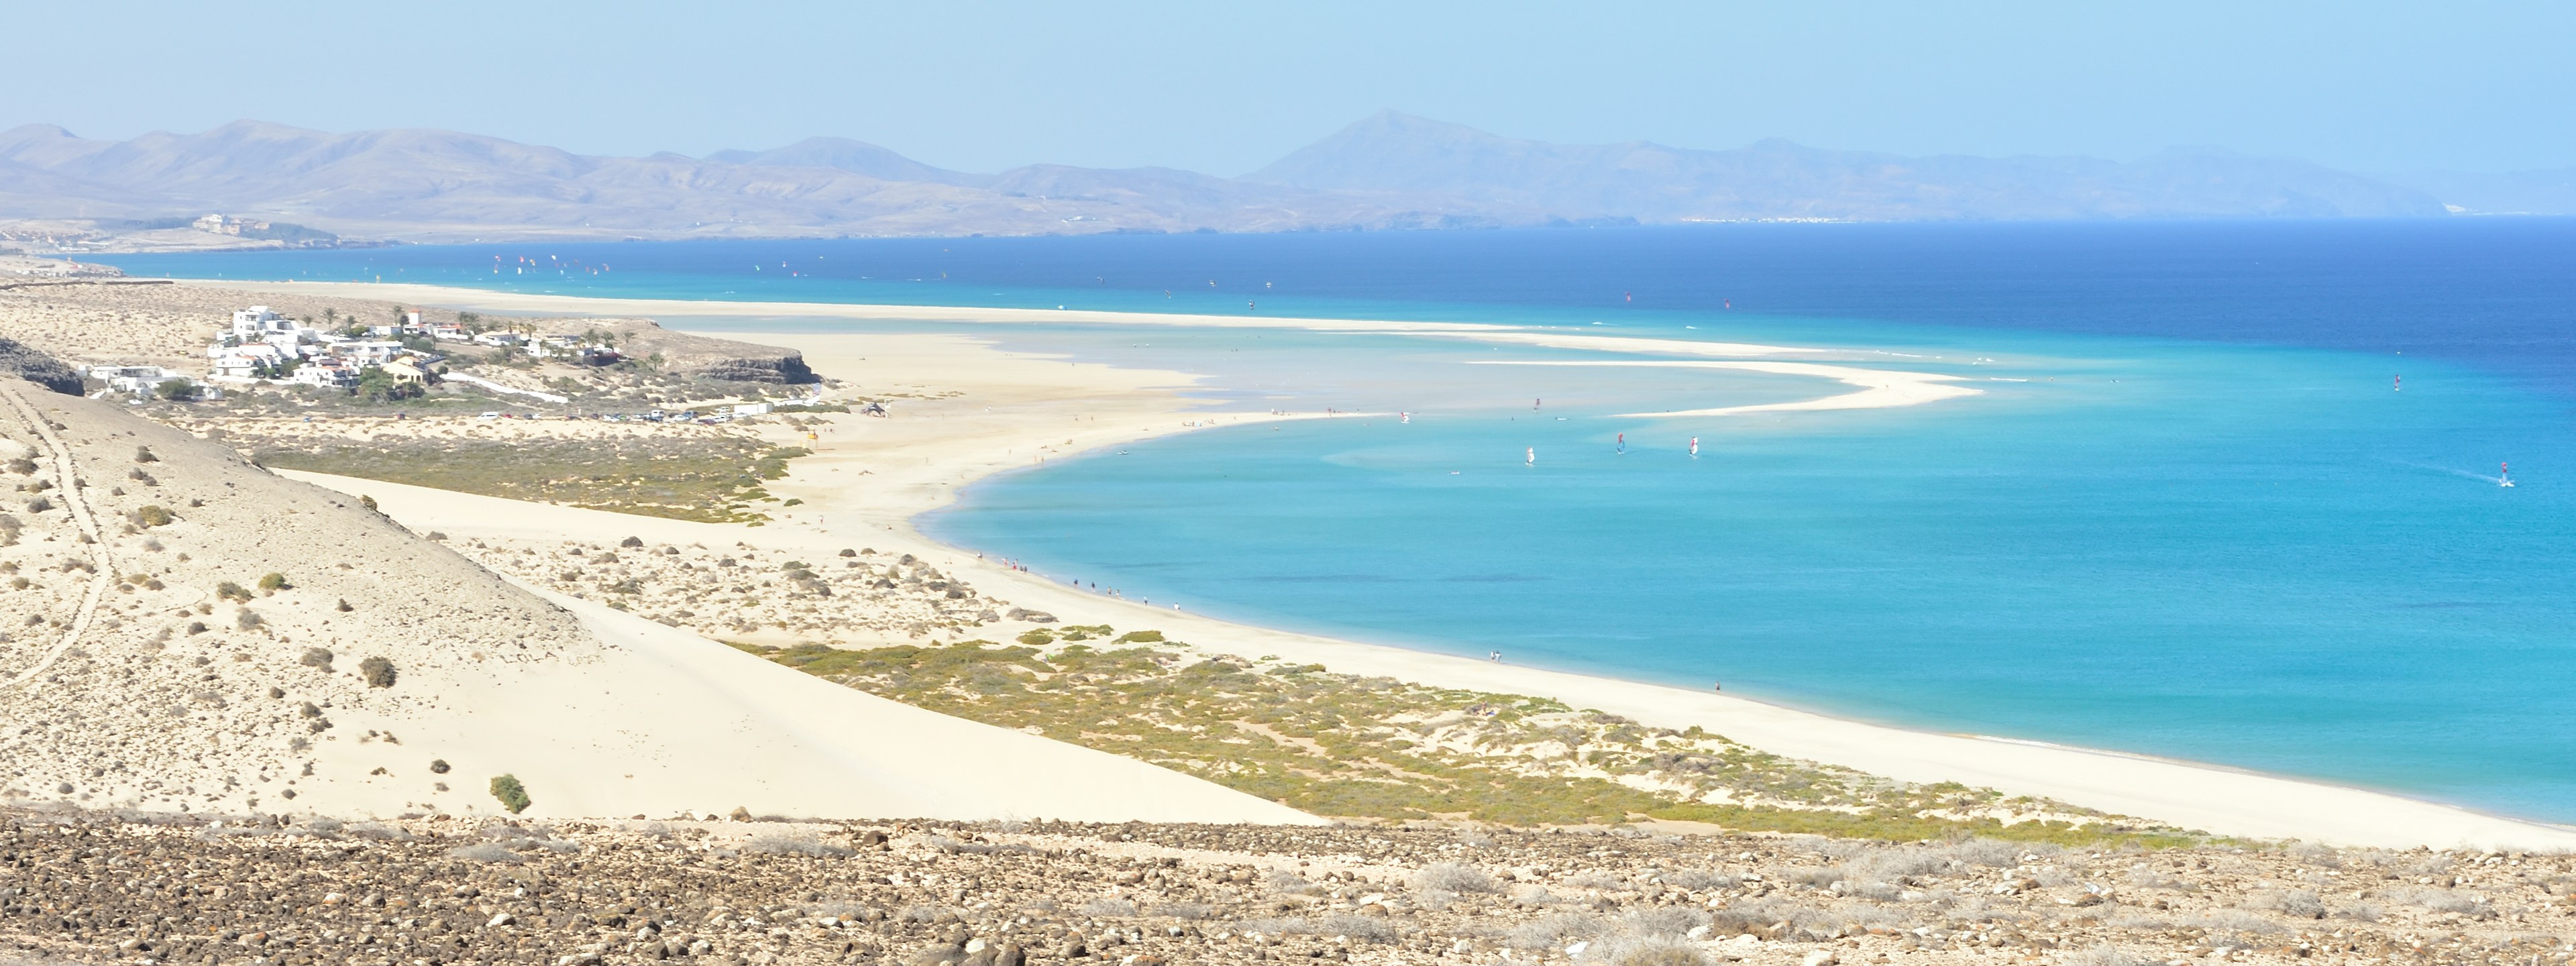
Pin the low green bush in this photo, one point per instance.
(513, 795)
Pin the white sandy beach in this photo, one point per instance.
(870, 477)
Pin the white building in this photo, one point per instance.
(368, 353)
(324, 375)
(132, 379)
(244, 362)
(257, 323)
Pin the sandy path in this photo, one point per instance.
(870, 477)
(67, 484)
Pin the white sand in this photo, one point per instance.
(1015, 410)
(670, 723)
(1879, 388)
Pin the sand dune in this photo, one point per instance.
(670, 723)
(187, 632)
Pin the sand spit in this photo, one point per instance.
(99, 888)
(1879, 388)
(1498, 334)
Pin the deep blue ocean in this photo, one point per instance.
(2189, 516)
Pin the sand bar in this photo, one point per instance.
(1017, 410)
(1879, 388)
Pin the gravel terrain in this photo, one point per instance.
(94, 887)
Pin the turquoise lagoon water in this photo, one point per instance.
(2203, 526)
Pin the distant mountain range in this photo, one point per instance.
(1387, 171)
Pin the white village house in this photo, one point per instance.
(324, 374)
(262, 345)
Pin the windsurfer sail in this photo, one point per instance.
(2504, 474)
(1694, 446)
(1530, 458)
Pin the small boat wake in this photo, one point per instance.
(2503, 477)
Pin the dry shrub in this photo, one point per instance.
(1634, 950)
(1663, 921)
(2315, 853)
(1596, 879)
(2102, 954)
(1454, 877)
(1987, 852)
(1700, 879)
(1370, 928)
(2438, 900)
(2232, 921)
(484, 852)
(2296, 903)
(1555, 931)
(1282, 880)
(790, 843)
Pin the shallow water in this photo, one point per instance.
(2206, 527)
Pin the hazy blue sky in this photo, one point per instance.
(1225, 87)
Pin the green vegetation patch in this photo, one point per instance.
(513, 795)
(1359, 747)
(706, 480)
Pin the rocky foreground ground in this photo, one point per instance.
(97, 887)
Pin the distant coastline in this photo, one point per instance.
(1387, 171)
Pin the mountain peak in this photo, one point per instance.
(46, 145)
(844, 154)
